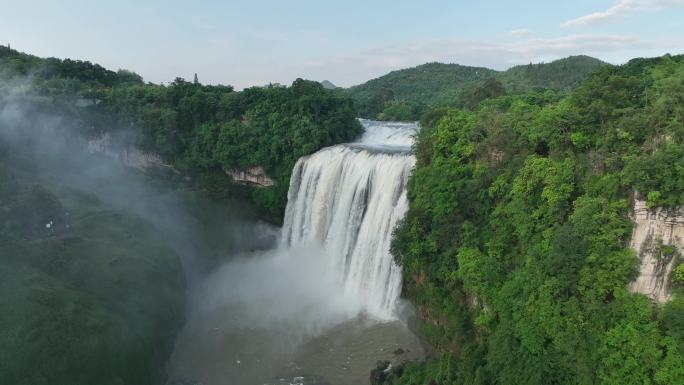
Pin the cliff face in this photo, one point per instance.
(132, 156)
(658, 239)
(254, 176)
(129, 155)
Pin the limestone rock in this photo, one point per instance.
(129, 155)
(658, 239)
(255, 176)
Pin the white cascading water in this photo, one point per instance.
(348, 199)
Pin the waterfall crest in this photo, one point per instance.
(348, 199)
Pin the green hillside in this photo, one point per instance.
(417, 87)
(94, 294)
(202, 130)
(515, 248)
(560, 75)
(90, 295)
(405, 94)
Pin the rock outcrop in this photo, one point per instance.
(129, 155)
(658, 239)
(254, 176)
(132, 156)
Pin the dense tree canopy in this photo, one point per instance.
(206, 130)
(93, 294)
(515, 244)
(89, 295)
(407, 93)
(202, 130)
(514, 248)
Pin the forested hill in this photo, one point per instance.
(561, 75)
(405, 94)
(92, 282)
(515, 248)
(81, 75)
(90, 294)
(427, 84)
(202, 130)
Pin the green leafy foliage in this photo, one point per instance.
(51, 71)
(679, 274)
(428, 84)
(206, 130)
(202, 130)
(515, 248)
(407, 93)
(93, 296)
(89, 295)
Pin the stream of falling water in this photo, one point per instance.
(348, 198)
(324, 305)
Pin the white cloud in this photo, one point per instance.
(620, 9)
(521, 32)
(356, 67)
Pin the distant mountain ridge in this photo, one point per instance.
(436, 84)
(328, 85)
(561, 75)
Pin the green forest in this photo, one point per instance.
(202, 130)
(91, 295)
(515, 246)
(94, 294)
(514, 249)
(408, 93)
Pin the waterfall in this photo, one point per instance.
(348, 199)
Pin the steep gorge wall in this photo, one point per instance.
(658, 239)
(129, 155)
(253, 176)
(132, 156)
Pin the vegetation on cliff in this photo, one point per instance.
(515, 247)
(92, 292)
(206, 130)
(202, 130)
(90, 295)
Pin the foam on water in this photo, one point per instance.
(348, 198)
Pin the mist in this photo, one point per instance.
(289, 289)
(256, 285)
(256, 307)
(323, 305)
(54, 147)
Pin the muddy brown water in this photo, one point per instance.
(210, 352)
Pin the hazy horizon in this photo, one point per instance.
(244, 44)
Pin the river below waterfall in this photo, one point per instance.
(208, 352)
(323, 306)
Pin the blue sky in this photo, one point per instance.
(255, 42)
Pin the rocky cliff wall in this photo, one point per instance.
(255, 176)
(658, 239)
(133, 156)
(129, 155)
